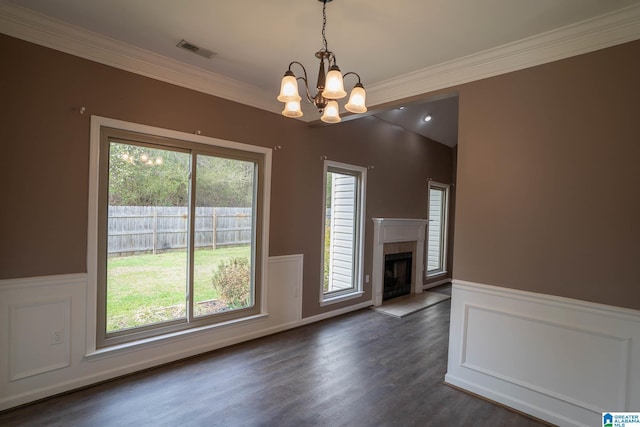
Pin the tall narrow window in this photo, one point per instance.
(343, 231)
(178, 241)
(437, 229)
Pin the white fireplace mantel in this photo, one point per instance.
(394, 230)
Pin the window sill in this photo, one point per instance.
(436, 274)
(341, 298)
(172, 337)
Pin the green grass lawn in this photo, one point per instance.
(145, 289)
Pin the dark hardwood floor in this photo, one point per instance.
(359, 369)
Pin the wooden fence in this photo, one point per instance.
(155, 229)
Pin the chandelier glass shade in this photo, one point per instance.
(329, 87)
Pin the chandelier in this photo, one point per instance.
(330, 86)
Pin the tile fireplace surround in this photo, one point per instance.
(397, 230)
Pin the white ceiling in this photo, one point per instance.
(400, 48)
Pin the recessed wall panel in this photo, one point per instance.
(581, 366)
(39, 337)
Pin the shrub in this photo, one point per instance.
(231, 280)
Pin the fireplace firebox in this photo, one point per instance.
(397, 275)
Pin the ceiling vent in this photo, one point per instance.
(205, 53)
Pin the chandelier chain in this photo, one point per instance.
(324, 24)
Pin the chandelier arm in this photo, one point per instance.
(306, 87)
(301, 66)
(304, 79)
(331, 58)
(354, 73)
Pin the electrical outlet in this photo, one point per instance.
(366, 279)
(57, 337)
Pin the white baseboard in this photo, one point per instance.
(561, 360)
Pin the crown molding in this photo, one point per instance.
(603, 31)
(31, 26)
(586, 36)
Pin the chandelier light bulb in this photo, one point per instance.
(335, 85)
(289, 88)
(331, 112)
(292, 109)
(357, 99)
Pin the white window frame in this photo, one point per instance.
(93, 238)
(444, 230)
(356, 290)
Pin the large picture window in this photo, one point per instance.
(437, 229)
(179, 234)
(343, 231)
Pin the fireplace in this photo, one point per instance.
(397, 275)
(397, 236)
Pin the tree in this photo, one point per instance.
(224, 182)
(145, 176)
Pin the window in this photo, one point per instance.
(437, 229)
(343, 208)
(179, 232)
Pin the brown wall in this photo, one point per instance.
(548, 194)
(45, 160)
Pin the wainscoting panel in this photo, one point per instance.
(43, 333)
(561, 360)
(39, 337)
(285, 278)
